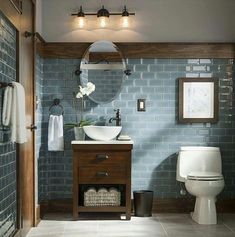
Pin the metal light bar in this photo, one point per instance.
(96, 13)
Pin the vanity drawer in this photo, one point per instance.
(102, 158)
(102, 174)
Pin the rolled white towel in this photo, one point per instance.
(113, 190)
(91, 190)
(103, 190)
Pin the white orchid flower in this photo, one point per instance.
(91, 86)
(87, 90)
(79, 95)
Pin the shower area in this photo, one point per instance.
(8, 161)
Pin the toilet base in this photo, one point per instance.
(205, 211)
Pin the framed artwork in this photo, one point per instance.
(17, 4)
(198, 100)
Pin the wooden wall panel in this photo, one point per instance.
(10, 12)
(25, 152)
(143, 50)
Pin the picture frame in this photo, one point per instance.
(17, 5)
(198, 100)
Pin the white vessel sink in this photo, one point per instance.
(102, 133)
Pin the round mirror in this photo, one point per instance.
(103, 65)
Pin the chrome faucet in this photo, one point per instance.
(117, 118)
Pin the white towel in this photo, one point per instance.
(18, 118)
(55, 133)
(7, 103)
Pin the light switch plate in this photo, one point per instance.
(141, 105)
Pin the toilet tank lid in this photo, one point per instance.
(199, 148)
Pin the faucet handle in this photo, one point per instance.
(117, 112)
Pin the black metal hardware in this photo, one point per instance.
(5, 84)
(102, 156)
(56, 102)
(102, 174)
(127, 72)
(104, 12)
(29, 34)
(125, 12)
(33, 127)
(117, 118)
(78, 72)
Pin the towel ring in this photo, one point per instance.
(56, 103)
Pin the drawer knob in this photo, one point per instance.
(102, 174)
(102, 156)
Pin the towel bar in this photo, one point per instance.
(5, 84)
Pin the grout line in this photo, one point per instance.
(228, 227)
(162, 226)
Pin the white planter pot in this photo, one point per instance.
(79, 134)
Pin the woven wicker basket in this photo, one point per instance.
(102, 198)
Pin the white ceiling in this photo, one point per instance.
(155, 21)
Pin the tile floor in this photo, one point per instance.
(159, 225)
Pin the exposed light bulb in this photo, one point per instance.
(125, 21)
(81, 18)
(81, 22)
(103, 21)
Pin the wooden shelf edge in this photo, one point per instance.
(71, 50)
(101, 209)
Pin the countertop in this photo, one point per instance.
(102, 142)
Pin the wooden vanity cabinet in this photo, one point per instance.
(102, 164)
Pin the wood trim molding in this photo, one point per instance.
(37, 215)
(17, 234)
(62, 50)
(143, 50)
(40, 38)
(160, 205)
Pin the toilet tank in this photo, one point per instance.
(190, 159)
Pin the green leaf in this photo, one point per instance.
(71, 125)
(84, 123)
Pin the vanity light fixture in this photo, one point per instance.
(81, 18)
(125, 18)
(103, 16)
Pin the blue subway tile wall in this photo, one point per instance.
(156, 132)
(38, 121)
(8, 182)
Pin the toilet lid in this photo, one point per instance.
(205, 176)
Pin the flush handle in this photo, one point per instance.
(102, 174)
(102, 156)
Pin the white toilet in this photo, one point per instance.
(200, 168)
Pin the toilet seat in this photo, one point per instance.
(205, 176)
